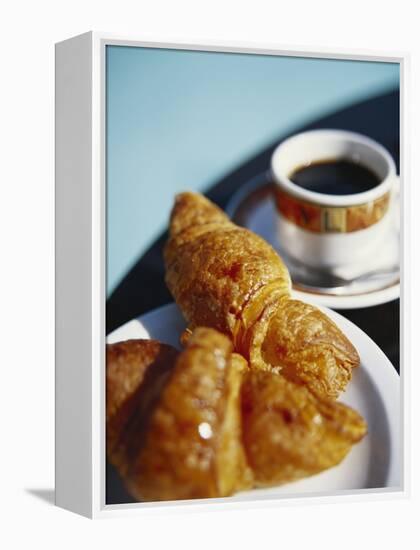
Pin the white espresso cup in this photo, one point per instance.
(330, 231)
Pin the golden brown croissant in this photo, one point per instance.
(228, 278)
(201, 424)
(289, 433)
(183, 439)
(136, 371)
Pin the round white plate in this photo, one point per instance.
(374, 391)
(254, 208)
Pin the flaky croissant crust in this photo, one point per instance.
(200, 423)
(215, 269)
(226, 277)
(183, 438)
(289, 433)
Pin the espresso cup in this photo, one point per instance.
(329, 230)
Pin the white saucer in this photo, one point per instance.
(374, 391)
(253, 207)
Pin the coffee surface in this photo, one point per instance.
(335, 177)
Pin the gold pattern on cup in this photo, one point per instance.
(334, 219)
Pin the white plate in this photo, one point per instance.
(374, 391)
(257, 212)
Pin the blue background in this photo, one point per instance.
(180, 120)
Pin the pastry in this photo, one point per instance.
(136, 371)
(200, 423)
(183, 439)
(226, 277)
(289, 433)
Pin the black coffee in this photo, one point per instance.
(335, 177)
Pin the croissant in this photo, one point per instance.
(136, 371)
(226, 277)
(200, 423)
(289, 433)
(183, 438)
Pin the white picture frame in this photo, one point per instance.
(80, 273)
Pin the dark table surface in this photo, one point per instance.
(143, 288)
